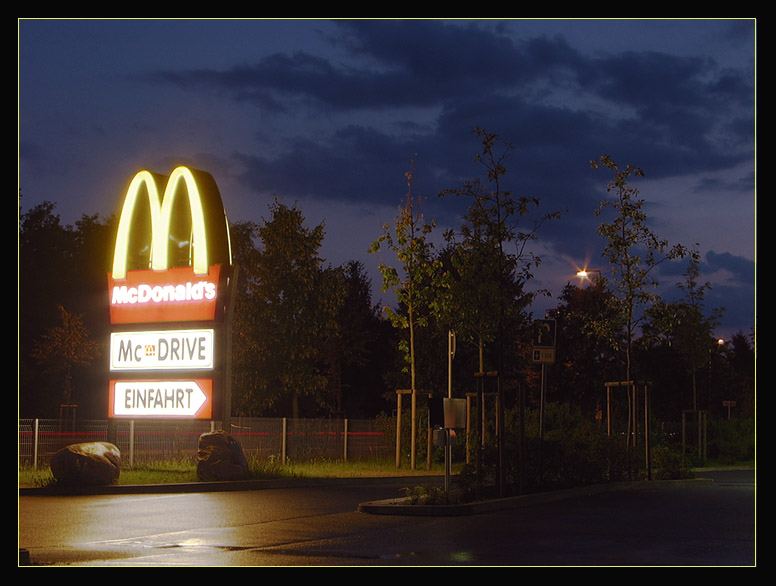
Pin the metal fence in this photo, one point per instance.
(143, 441)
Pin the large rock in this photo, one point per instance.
(87, 464)
(220, 457)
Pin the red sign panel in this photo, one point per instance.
(139, 399)
(177, 294)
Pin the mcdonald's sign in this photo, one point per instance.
(148, 283)
(171, 265)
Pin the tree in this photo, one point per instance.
(489, 259)
(45, 248)
(293, 299)
(416, 283)
(490, 265)
(588, 358)
(246, 346)
(359, 352)
(64, 347)
(683, 326)
(60, 266)
(741, 355)
(632, 249)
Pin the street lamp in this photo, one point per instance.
(584, 274)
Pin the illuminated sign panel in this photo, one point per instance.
(162, 350)
(190, 398)
(173, 295)
(158, 292)
(171, 265)
(209, 227)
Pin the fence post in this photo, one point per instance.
(345, 442)
(35, 445)
(131, 443)
(283, 442)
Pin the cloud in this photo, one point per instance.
(741, 269)
(356, 164)
(332, 113)
(732, 289)
(666, 113)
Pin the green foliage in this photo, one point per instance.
(271, 467)
(61, 266)
(64, 347)
(632, 249)
(419, 433)
(732, 440)
(416, 284)
(361, 350)
(488, 259)
(286, 316)
(418, 279)
(160, 472)
(575, 451)
(427, 494)
(587, 356)
(184, 470)
(670, 464)
(682, 325)
(36, 478)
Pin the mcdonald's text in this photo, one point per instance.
(159, 294)
(176, 294)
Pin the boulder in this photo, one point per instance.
(220, 457)
(87, 464)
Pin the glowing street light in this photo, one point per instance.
(584, 274)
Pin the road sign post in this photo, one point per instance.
(544, 334)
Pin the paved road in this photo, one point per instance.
(697, 525)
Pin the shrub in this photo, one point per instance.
(575, 451)
(427, 495)
(668, 464)
(731, 440)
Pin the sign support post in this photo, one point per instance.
(226, 418)
(544, 353)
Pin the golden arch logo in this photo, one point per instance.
(159, 292)
(209, 226)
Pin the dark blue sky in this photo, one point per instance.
(330, 114)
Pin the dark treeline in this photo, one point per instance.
(299, 325)
(354, 357)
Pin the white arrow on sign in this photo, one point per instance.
(162, 398)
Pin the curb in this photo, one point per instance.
(395, 506)
(217, 486)
(403, 507)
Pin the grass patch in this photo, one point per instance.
(162, 472)
(361, 469)
(35, 478)
(181, 471)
